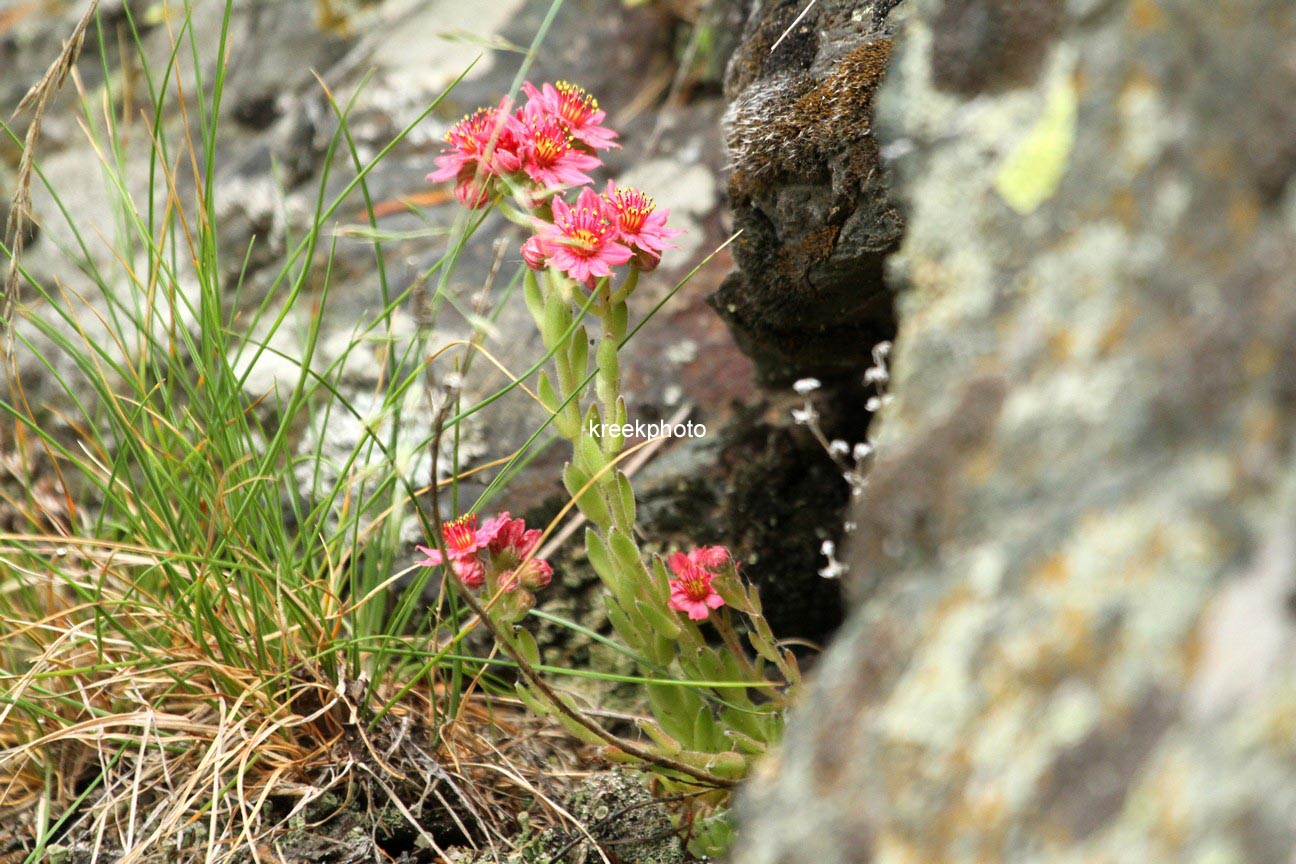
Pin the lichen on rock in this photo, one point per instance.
(1072, 632)
(616, 811)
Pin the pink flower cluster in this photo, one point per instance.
(599, 233)
(507, 563)
(547, 144)
(691, 590)
(538, 150)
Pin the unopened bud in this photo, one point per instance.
(534, 574)
(533, 253)
(646, 260)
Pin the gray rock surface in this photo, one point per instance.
(1073, 637)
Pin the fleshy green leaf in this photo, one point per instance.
(630, 631)
(669, 746)
(529, 699)
(590, 502)
(627, 496)
(545, 390)
(526, 645)
(580, 351)
(534, 297)
(663, 624)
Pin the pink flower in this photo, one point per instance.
(578, 111)
(470, 571)
(514, 537)
(510, 552)
(484, 144)
(463, 541)
(646, 261)
(467, 140)
(691, 591)
(551, 161)
(580, 241)
(710, 558)
(638, 221)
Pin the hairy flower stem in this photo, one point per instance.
(698, 726)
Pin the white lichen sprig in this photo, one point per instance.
(852, 459)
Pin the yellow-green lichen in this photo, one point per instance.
(1033, 170)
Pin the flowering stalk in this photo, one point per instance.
(586, 258)
(657, 607)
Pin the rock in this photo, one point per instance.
(1072, 636)
(811, 198)
(808, 189)
(617, 810)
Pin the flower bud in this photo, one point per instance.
(646, 260)
(534, 574)
(473, 194)
(533, 253)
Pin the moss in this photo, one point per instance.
(789, 125)
(839, 110)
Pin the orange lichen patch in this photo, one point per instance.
(1079, 82)
(1260, 426)
(952, 601)
(1259, 358)
(1116, 331)
(987, 808)
(981, 465)
(1061, 344)
(1075, 644)
(965, 816)
(1055, 570)
(1146, 15)
(814, 247)
(1279, 723)
(1124, 206)
(1156, 547)
(1192, 649)
(1216, 161)
(1175, 820)
(1140, 80)
(1066, 645)
(1243, 214)
(892, 847)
